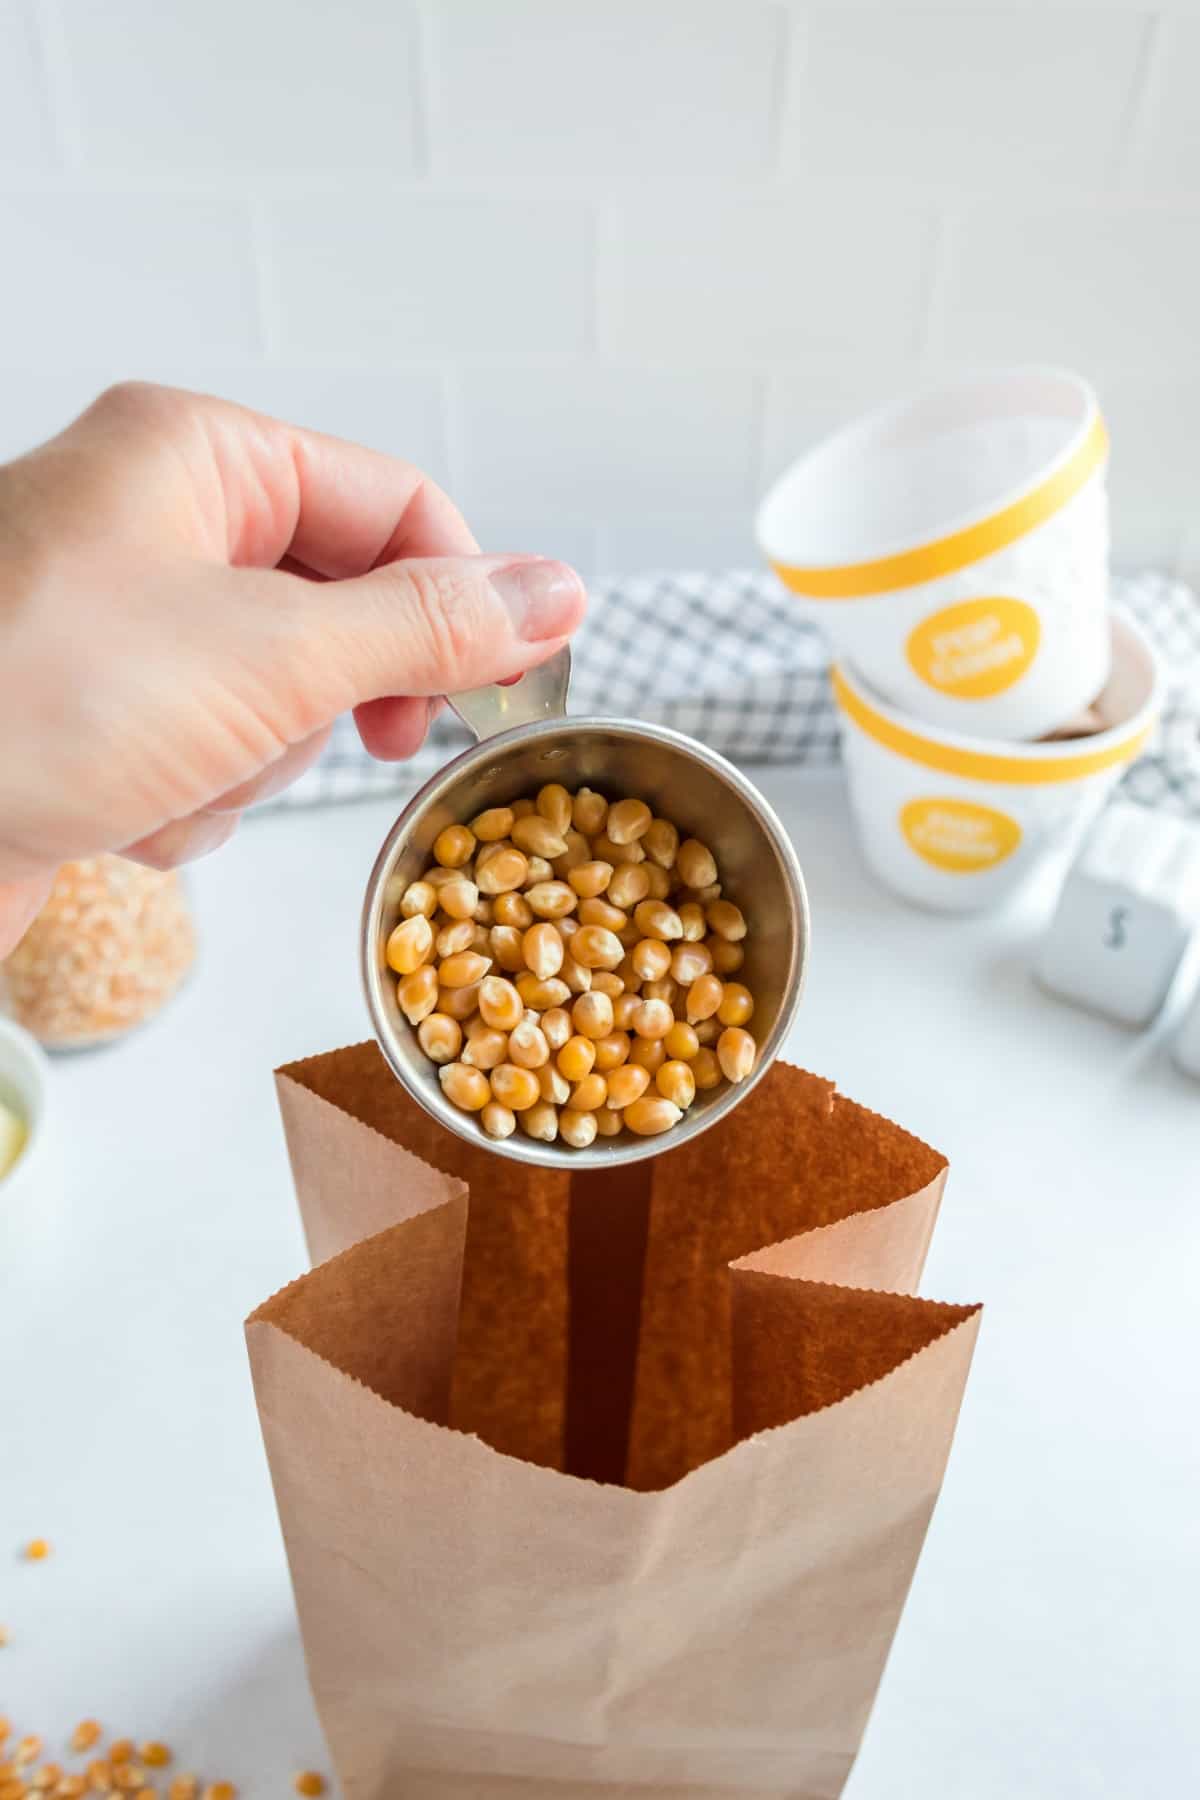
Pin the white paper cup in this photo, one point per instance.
(955, 549)
(958, 823)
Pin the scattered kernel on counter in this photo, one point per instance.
(559, 955)
(129, 1777)
(85, 1734)
(120, 1751)
(36, 1550)
(184, 1787)
(309, 1783)
(71, 1787)
(155, 1755)
(29, 1749)
(48, 1776)
(99, 1776)
(220, 1790)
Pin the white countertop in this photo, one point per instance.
(1050, 1647)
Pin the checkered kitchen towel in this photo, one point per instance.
(729, 660)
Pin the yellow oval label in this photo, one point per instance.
(976, 648)
(958, 836)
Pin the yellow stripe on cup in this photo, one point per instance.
(981, 765)
(942, 556)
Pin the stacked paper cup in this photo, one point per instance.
(955, 549)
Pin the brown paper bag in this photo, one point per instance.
(603, 1484)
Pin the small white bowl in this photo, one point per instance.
(959, 823)
(954, 548)
(24, 1086)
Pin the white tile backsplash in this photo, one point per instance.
(231, 85)
(731, 276)
(407, 274)
(602, 92)
(991, 96)
(604, 270)
(26, 127)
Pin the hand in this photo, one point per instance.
(189, 596)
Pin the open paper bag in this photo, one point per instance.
(603, 1484)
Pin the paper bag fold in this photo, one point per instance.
(594, 1487)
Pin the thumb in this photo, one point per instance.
(442, 625)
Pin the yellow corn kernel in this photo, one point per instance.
(608, 1122)
(589, 1093)
(589, 879)
(308, 1782)
(505, 870)
(695, 925)
(463, 1087)
(628, 820)
(417, 993)
(625, 1006)
(556, 1026)
(630, 884)
(539, 871)
(695, 865)
(128, 1777)
(515, 1087)
(438, 878)
(504, 943)
(459, 898)
(703, 998)
(537, 837)
(464, 969)
(675, 1082)
(551, 899)
(737, 1004)
(589, 810)
(703, 896)
(481, 940)
(727, 958)
(554, 805)
(5, 1729)
(607, 981)
(543, 950)
(578, 979)
(484, 1048)
(651, 959)
(512, 910)
(492, 825)
(592, 1015)
(454, 847)
(577, 1128)
(599, 912)
(553, 1084)
(658, 882)
(649, 1054)
(440, 1037)
(726, 920)
(184, 1787)
(28, 1750)
(577, 852)
(419, 897)
(661, 840)
(498, 1121)
(689, 962)
(410, 944)
(36, 1550)
(155, 1755)
(458, 1003)
(500, 1005)
(596, 947)
(13, 1789)
(540, 1121)
(650, 1115)
(708, 1030)
(577, 1057)
(706, 1070)
(606, 849)
(522, 808)
(48, 1776)
(73, 1787)
(681, 1042)
(220, 1790)
(666, 990)
(455, 936)
(653, 1019)
(655, 919)
(735, 1053)
(626, 1084)
(99, 1776)
(611, 1051)
(527, 1047)
(540, 996)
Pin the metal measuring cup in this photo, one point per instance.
(525, 741)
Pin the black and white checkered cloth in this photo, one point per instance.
(729, 660)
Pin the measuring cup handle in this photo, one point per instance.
(540, 693)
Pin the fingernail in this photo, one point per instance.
(543, 598)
